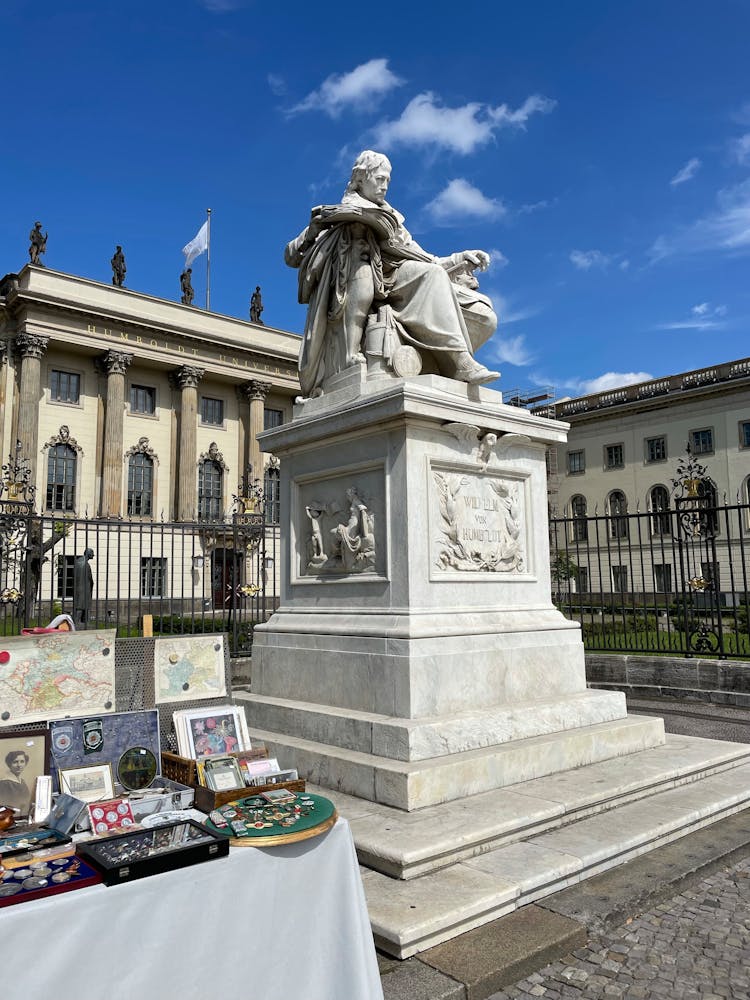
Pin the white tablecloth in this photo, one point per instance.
(262, 924)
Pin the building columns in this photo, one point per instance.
(256, 393)
(187, 378)
(114, 364)
(31, 348)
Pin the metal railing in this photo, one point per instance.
(191, 577)
(673, 580)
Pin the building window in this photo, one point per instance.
(61, 477)
(210, 477)
(65, 566)
(663, 578)
(212, 411)
(620, 579)
(272, 494)
(582, 580)
(702, 442)
(580, 526)
(140, 485)
(656, 449)
(143, 399)
(745, 434)
(710, 573)
(272, 418)
(613, 456)
(618, 509)
(153, 576)
(576, 462)
(64, 387)
(661, 522)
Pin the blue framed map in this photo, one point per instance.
(189, 668)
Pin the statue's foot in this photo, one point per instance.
(469, 370)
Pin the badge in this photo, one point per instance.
(93, 737)
(62, 740)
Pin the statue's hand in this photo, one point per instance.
(477, 258)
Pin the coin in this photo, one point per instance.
(9, 890)
(34, 883)
(61, 877)
(23, 872)
(41, 869)
(58, 862)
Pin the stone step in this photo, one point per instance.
(418, 784)
(407, 845)
(422, 739)
(408, 917)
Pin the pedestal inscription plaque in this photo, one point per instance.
(478, 522)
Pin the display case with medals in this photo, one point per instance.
(46, 877)
(149, 852)
(30, 839)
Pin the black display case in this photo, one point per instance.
(148, 852)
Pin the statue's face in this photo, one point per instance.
(374, 184)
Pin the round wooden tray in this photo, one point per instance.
(293, 837)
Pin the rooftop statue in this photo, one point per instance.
(118, 267)
(256, 306)
(38, 242)
(370, 286)
(186, 287)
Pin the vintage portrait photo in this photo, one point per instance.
(24, 756)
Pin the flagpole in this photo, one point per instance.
(208, 262)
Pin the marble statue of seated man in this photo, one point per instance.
(360, 270)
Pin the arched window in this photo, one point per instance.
(661, 523)
(618, 509)
(61, 477)
(140, 485)
(580, 528)
(271, 492)
(210, 476)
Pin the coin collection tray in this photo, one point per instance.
(30, 840)
(256, 822)
(149, 852)
(45, 878)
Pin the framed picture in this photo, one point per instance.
(24, 757)
(222, 773)
(221, 729)
(91, 783)
(189, 668)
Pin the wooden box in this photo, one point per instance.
(184, 770)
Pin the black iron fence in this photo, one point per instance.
(190, 577)
(672, 580)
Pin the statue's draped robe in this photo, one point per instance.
(426, 305)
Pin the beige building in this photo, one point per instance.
(622, 453)
(133, 408)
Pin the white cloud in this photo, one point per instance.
(584, 260)
(740, 148)
(426, 122)
(277, 84)
(726, 229)
(687, 172)
(703, 316)
(359, 88)
(609, 380)
(498, 259)
(460, 200)
(509, 351)
(508, 313)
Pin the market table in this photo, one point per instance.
(262, 924)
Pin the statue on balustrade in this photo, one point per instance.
(371, 289)
(38, 246)
(118, 267)
(186, 287)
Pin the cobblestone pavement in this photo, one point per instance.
(696, 946)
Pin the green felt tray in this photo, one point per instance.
(321, 815)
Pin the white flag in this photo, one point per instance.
(197, 245)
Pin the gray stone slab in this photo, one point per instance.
(506, 950)
(413, 980)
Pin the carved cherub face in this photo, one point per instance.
(374, 185)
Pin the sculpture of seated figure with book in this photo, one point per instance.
(374, 294)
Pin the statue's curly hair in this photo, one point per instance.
(367, 161)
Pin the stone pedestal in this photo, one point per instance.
(416, 657)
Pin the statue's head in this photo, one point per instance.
(371, 175)
(89, 554)
(37, 225)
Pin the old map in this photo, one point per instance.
(189, 668)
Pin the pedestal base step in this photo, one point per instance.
(416, 785)
(577, 825)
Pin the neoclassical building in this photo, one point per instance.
(130, 409)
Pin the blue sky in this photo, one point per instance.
(601, 151)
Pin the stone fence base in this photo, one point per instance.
(723, 682)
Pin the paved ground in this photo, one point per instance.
(673, 925)
(696, 945)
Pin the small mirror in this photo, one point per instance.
(136, 769)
